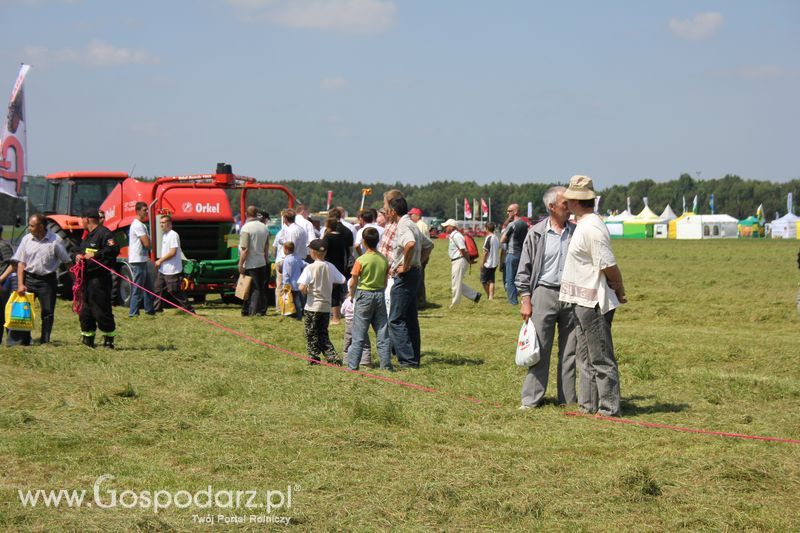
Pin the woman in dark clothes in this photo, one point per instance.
(337, 253)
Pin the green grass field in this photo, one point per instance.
(709, 340)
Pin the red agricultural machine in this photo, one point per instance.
(201, 213)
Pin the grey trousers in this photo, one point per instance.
(547, 313)
(598, 382)
(366, 357)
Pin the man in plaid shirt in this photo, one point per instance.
(409, 248)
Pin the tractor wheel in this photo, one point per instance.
(121, 288)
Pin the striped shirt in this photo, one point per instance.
(41, 256)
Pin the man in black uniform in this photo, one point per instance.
(98, 245)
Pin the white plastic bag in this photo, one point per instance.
(527, 345)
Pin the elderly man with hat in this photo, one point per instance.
(459, 264)
(592, 284)
(99, 252)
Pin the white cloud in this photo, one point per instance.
(97, 54)
(700, 27)
(347, 16)
(333, 84)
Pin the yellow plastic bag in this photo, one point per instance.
(20, 312)
(286, 301)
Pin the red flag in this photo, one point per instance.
(13, 140)
(467, 210)
(330, 199)
(484, 209)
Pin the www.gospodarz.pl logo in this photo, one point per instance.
(263, 501)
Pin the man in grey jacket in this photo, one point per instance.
(538, 282)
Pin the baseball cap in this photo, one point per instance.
(450, 222)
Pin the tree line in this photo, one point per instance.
(732, 195)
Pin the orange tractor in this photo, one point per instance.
(201, 211)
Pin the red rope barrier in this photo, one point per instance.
(679, 428)
(259, 342)
(431, 390)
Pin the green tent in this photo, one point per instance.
(749, 227)
(640, 226)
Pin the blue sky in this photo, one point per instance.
(409, 91)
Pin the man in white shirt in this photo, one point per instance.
(138, 259)
(301, 219)
(254, 262)
(592, 283)
(367, 221)
(491, 258)
(415, 213)
(170, 268)
(459, 264)
(295, 234)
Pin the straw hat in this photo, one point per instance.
(580, 188)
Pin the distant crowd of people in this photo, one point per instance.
(561, 272)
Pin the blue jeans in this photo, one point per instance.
(370, 310)
(140, 277)
(403, 319)
(299, 303)
(511, 266)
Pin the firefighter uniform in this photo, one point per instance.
(96, 312)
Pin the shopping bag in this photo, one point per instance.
(527, 345)
(243, 286)
(286, 302)
(20, 313)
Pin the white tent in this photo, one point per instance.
(785, 227)
(614, 223)
(621, 217)
(668, 214)
(646, 216)
(707, 227)
(661, 229)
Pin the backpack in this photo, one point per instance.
(472, 248)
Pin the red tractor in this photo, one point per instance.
(201, 213)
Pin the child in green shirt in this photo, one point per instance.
(367, 286)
